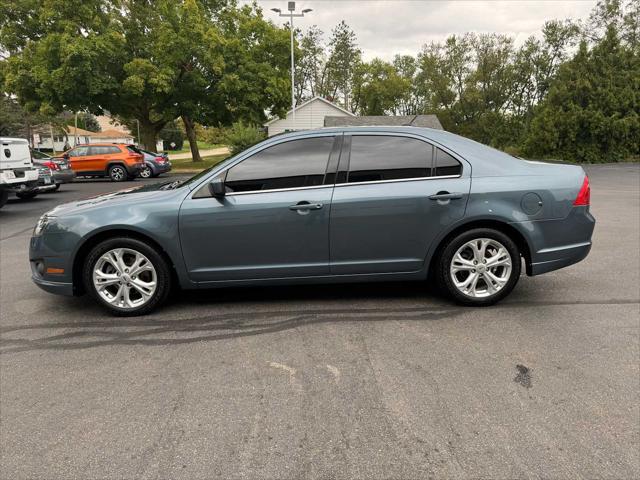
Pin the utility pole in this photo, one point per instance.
(75, 132)
(291, 7)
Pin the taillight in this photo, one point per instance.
(584, 195)
(159, 159)
(52, 165)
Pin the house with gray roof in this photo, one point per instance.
(429, 121)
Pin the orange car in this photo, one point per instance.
(117, 161)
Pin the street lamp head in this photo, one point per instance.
(277, 10)
(307, 10)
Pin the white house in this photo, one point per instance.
(309, 115)
(42, 138)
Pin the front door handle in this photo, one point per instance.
(305, 206)
(446, 196)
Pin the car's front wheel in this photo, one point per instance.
(479, 267)
(117, 173)
(4, 197)
(127, 276)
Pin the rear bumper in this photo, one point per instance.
(557, 243)
(64, 176)
(555, 258)
(160, 167)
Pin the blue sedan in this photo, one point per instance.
(329, 205)
(154, 163)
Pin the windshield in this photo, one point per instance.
(195, 178)
(39, 155)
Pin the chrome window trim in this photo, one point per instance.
(292, 189)
(397, 180)
(414, 179)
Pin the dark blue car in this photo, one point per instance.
(330, 205)
(154, 163)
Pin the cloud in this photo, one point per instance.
(387, 27)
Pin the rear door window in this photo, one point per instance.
(294, 164)
(378, 158)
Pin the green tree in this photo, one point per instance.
(379, 88)
(198, 60)
(344, 60)
(592, 110)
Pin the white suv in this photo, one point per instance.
(17, 173)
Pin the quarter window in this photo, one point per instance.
(298, 163)
(446, 164)
(377, 158)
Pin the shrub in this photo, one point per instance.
(241, 136)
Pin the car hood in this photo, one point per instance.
(138, 195)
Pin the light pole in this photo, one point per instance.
(291, 6)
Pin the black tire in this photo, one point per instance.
(163, 275)
(4, 197)
(27, 195)
(146, 172)
(444, 277)
(117, 173)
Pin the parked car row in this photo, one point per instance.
(117, 161)
(28, 172)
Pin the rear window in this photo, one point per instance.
(103, 150)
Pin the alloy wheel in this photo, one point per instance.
(481, 268)
(117, 174)
(146, 172)
(125, 278)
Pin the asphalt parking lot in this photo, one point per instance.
(357, 381)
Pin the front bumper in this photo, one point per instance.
(57, 288)
(51, 263)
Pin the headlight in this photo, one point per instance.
(43, 221)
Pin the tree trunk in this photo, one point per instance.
(190, 129)
(148, 135)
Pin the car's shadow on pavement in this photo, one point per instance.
(212, 315)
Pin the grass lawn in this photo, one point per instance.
(186, 165)
(201, 145)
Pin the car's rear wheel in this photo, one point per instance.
(126, 276)
(479, 267)
(146, 172)
(117, 173)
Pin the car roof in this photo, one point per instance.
(484, 160)
(101, 144)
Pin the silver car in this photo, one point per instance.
(329, 205)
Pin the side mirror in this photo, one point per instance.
(217, 188)
(65, 156)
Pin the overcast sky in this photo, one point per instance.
(387, 27)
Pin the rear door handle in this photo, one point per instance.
(306, 206)
(446, 196)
